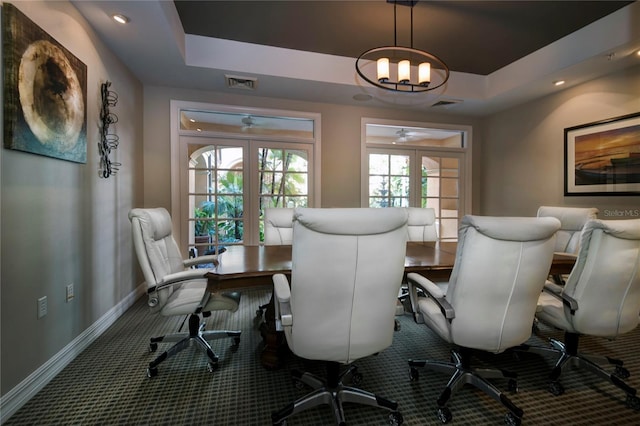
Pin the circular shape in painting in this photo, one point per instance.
(50, 95)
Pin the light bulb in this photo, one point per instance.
(383, 70)
(424, 74)
(404, 71)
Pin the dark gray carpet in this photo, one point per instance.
(107, 383)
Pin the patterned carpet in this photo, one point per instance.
(107, 384)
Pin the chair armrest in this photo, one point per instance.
(178, 278)
(281, 300)
(200, 260)
(418, 281)
(556, 291)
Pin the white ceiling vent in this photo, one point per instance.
(236, 82)
(447, 103)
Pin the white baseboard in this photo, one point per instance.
(25, 390)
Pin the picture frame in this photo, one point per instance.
(603, 157)
(45, 91)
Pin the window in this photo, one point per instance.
(418, 165)
(229, 166)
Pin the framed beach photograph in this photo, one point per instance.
(45, 91)
(603, 157)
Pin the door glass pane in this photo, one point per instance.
(450, 167)
(449, 229)
(246, 124)
(441, 191)
(283, 180)
(378, 164)
(389, 180)
(215, 192)
(449, 188)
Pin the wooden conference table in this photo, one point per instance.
(252, 266)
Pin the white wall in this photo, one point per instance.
(60, 222)
(522, 161)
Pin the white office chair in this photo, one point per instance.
(278, 226)
(343, 312)
(174, 289)
(572, 220)
(600, 298)
(278, 231)
(421, 227)
(421, 224)
(500, 269)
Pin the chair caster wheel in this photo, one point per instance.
(414, 375)
(512, 420)
(395, 419)
(356, 379)
(298, 384)
(153, 347)
(396, 325)
(236, 341)
(152, 372)
(212, 366)
(444, 414)
(512, 386)
(621, 372)
(556, 388)
(633, 402)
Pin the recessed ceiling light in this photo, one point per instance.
(192, 120)
(121, 19)
(638, 52)
(558, 83)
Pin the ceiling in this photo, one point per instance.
(477, 37)
(500, 52)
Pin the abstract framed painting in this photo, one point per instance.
(45, 90)
(603, 157)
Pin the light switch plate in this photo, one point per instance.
(42, 307)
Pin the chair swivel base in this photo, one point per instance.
(196, 336)
(334, 393)
(569, 356)
(462, 374)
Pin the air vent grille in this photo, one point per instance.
(246, 83)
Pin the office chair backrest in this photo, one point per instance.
(572, 220)
(421, 224)
(157, 251)
(500, 269)
(605, 280)
(347, 267)
(278, 226)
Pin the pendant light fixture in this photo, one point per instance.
(396, 66)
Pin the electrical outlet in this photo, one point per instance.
(70, 292)
(42, 307)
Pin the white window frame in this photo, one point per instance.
(179, 186)
(416, 151)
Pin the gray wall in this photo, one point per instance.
(522, 160)
(60, 222)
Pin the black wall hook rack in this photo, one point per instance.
(108, 141)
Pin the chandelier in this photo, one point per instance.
(405, 61)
